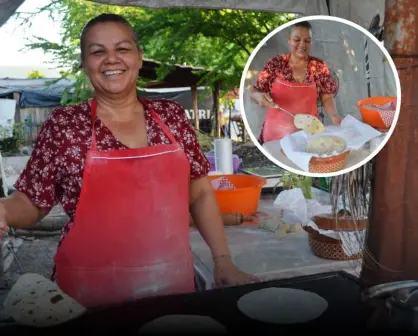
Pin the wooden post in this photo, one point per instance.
(393, 230)
(16, 97)
(195, 107)
(230, 121)
(215, 109)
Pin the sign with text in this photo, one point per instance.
(184, 98)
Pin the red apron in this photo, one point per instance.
(293, 97)
(130, 237)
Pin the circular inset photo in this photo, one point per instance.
(320, 96)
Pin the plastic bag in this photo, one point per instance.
(293, 208)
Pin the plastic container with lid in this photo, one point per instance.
(235, 159)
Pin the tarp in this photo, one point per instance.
(358, 11)
(7, 9)
(307, 7)
(48, 92)
(45, 92)
(342, 48)
(41, 93)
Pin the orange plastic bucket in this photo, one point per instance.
(372, 117)
(244, 198)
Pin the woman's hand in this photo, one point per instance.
(3, 223)
(263, 99)
(328, 102)
(227, 274)
(336, 119)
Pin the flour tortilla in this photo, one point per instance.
(183, 324)
(38, 302)
(309, 123)
(282, 305)
(325, 145)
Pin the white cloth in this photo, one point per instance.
(354, 132)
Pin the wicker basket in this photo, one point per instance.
(327, 165)
(327, 247)
(328, 222)
(330, 248)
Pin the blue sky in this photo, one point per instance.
(13, 38)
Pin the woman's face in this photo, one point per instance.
(111, 59)
(300, 40)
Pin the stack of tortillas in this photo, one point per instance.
(38, 302)
(309, 123)
(325, 145)
(282, 305)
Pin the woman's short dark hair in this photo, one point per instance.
(105, 18)
(301, 24)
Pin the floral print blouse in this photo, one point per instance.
(54, 172)
(278, 67)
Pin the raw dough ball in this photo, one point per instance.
(282, 305)
(325, 145)
(183, 324)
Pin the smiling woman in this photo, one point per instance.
(101, 47)
(295, 82)
(128, 172)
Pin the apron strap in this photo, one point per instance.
(157, 118)
(93, 120)
(154, 114)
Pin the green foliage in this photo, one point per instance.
(219, 40)
(291, 180)
(11, 144)
(35, 74)
(228, 102)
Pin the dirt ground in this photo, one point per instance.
(37, 252)
(35, 256)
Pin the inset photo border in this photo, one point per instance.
(320, 96)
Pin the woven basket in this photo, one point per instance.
(326, 247)
(327, 165)
(328, 222)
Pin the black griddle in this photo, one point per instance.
(345, 310)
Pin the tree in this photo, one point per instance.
(221, 40)
(35, 74)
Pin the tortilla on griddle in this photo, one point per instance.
(282, 305)
(38, 302)
(183, 324)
